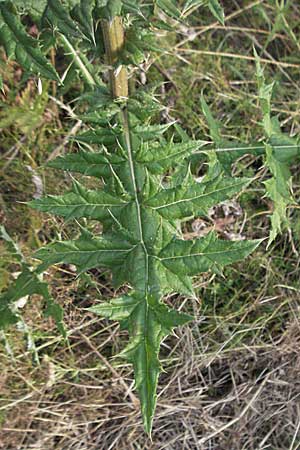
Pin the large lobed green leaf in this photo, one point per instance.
(141, 244)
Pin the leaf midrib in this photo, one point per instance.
(95, 251)
(192, 255)
(83, 205)
(127, 135)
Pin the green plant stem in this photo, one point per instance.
(114, 39)
(78, 61)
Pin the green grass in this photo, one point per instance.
(232, 376)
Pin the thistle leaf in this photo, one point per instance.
(141, 250)
(278, 189)
(82, 13)
(204, 254)
(195, 198)
(88, 163)
(86, 252)
(81, 202)
(148, 322)
(280, 151)
(159, 158)
(28, 283)
(21, 45)
(57, 17)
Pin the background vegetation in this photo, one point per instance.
(232, 375)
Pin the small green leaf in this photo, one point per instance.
(285, 148)
(33, 7)
(114, 7)
(217, 10)
(169, 281)
(214, 126)
(57, 313)
(57, 17)
(104, 136)
(118, 309)
(190, 5)
(280, 150)
(265, 95)
(110, 8)
(150, 132)
(27, 283)
(12, 246)
(169, 7)
(7, 41)
(213, 5)
(83, 14)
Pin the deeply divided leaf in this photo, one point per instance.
(281, 150)
(142, 243)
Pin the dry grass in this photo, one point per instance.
(240, 397)
(232, 377)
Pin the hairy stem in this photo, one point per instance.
(114, 38)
